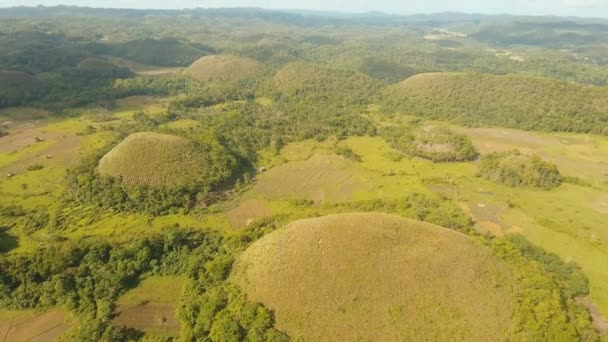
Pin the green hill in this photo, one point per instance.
(303, 78)
(377, 277)
(224, 68)
(515, 169)
(158, 52)
(161, 160)
(100, 68)
(506, 101)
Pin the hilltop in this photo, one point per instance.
(507, 101)
(223, 67)
(161, 160)
(391, 279)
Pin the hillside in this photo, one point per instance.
(223, 67)
(506, 101)
(100, 68)
(161, 160)
(159, 52)
(16, 86)
(308, 78)
(391, 279)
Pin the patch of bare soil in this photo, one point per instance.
(599, 321)
(247, 212)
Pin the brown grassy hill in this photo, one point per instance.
(162, 160)
(223, 67)
(377, 277)
(508, 101)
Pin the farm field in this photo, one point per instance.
(151, 307)
(31, 326)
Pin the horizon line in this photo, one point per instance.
(310, 11)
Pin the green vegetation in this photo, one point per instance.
(516, 169)
(127, 125)
(436, 143)
(18, 87)
(506, 101)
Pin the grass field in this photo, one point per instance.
(380, 268)
(31, 326)
(151, 306)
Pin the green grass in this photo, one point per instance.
(9, 158)
(381, 268)
(155, 289)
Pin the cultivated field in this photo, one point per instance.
(30, 326)
(151, 306)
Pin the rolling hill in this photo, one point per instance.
(161, 160)
(159, 52)
(377, 277)
(224, 68)
(505, 101)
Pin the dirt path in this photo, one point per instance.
(599, 321)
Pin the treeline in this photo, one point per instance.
(504, 101)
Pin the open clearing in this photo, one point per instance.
(380, 268)
(151, 306)
(581, 155)
(30, 326)
(247, 212)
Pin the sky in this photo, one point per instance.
(583, 8)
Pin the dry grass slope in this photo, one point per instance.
(154, 159)
(377, 277)
(223, 67)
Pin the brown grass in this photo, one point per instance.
(154, 159)
(223, 67)
(28, 326)
(379, 278)
(247, 212)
